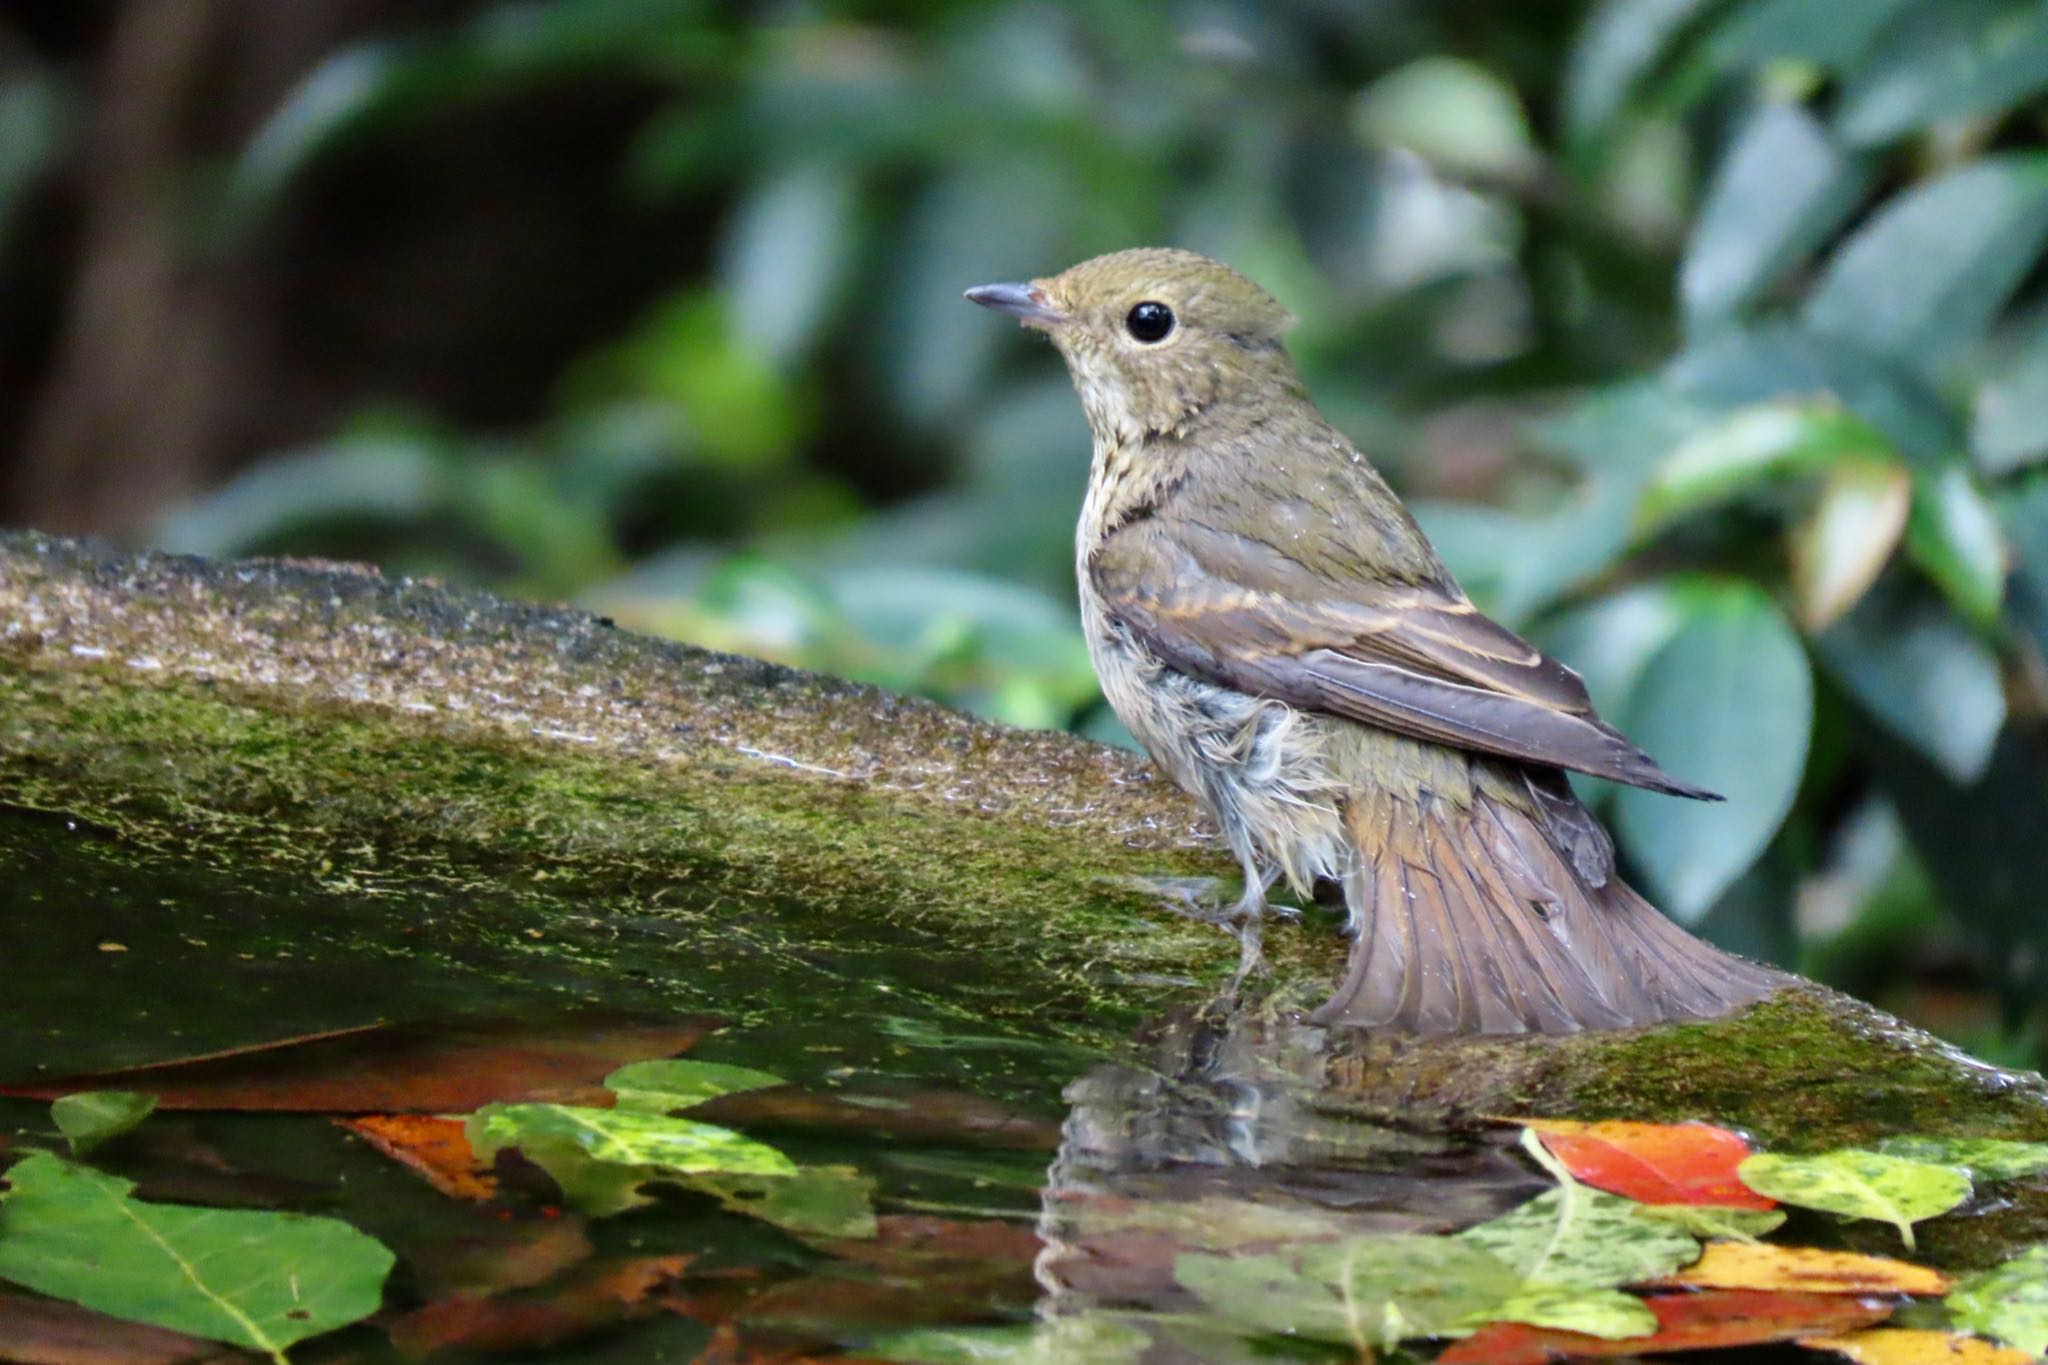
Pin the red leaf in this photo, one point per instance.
(1685, 1322)
(442, 1068)
(1654, 1163)
(437, 1148)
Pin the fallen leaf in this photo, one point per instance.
(1685, 1322)
(1984, 1158)
(1096, 1338)
(1707, 1221)
(812, 1201)
(919, 1116)
(667, 1085)
(434, 1147)
(1860, 1184)
(255, 1279)
(910, 1239)
(492, 1256)
(1908, 1346)
(601, 1157)
(1735, 1265)
(436, 1068)
(1605, 1313)
(1364, 1291)
(50, 1332)
(92, 1116)
(2007, 1303)
(1654, 1163)
(614, 1292)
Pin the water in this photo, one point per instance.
(1041, 1174)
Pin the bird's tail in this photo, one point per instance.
(1470, 920)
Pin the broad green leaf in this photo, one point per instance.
(784, 257)
(1753, 444)
(1096, 1338)
(1727, 703)
(1606, 1313)
(601, 1157)
(1578, 1238)
(1369, 1292)
(1710, 1221)
(261, 1280)
(1826, 33)
(1984, 1158)
(2007, 1303)
(1620, 45)
(664, 1087)
(1782, 188)
(1951, 60)
(1843, 544)
(1926, 275)
(92, 1116)
(1452, 113)
(2009, 419)
(1609, 642)
(1923, 675)
(817, 1201)
(1953, 534)
(1859, 1184)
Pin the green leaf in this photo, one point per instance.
(1926, 275)
(1859, 1184)
(2009, 419)
(1782, 188)
(1826, 33)
(663, 1087)
(784, 256)
(1454, 114)
(1576, 1237)
(1726, 703)
(1844, 543)
(1709, 1221)
(92, 1116)
(1369, 1292)
(1620, 45)
(1924, 676)
(1768, 441)
(1984, 1158)
(601, 1157)
(817, 1201)
(261, 1280)
(1951, 60)
(2007, 1303)
(1605, 1313)
(1609, 643)
(1954, 535)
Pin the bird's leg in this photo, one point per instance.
(1249, 915)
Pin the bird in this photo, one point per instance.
(1273, 627)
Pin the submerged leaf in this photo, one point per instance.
(2007, 1303)
(1605, 1313)
(1730, 1265)
(667, 1085)
(601, 1157)
(1367, 1291)
(253, 1278)
(816, 1201)
(434, 1147)
(1576, 1237)
(1983, 1158)
(1910, 1346)
(1859, 1184)
(1096, 1338)
(1654, 1163)
(92, 1116)
(1685, 1322)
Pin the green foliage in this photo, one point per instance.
(1857, 1184)
(1780, 258)
(2007, 1303)
(92, 1116)
(251, 1278)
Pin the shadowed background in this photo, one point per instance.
(1707, 337)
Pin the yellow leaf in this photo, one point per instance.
(1758, 1265)
(1905, 1346)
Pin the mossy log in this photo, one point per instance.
(321, 721)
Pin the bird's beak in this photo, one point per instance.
(1024, 302)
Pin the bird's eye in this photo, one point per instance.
(1149, 321)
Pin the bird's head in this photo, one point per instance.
(1154, 337)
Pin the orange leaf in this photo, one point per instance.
(1757, 1265)
(1902, 1346)
(448, 1067)
(1654, 1163)
(1685, 1322)
(434, 1147)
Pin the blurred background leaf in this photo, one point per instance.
(1708, 338)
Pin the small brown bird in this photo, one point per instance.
(1275, 629)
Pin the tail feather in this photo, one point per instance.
(1471, 920)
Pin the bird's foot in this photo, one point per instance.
(1207, 899)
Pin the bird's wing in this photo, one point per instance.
(1417, 658)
